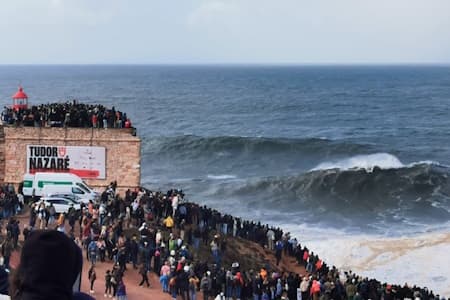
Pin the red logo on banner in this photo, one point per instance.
(61, 151)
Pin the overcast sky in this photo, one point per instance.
(224, 31)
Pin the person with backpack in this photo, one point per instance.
(92, 252)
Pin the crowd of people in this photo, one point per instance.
(162, 233)
(67, 114)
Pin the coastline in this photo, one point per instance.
(383, 257)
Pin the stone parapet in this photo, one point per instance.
(2, 154)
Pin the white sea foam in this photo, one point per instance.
(368, 162)
(419, 259)
(221, 177)
(427, 162)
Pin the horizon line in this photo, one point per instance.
(250, 64)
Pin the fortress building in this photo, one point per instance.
(98, 155)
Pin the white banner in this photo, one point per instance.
(86, 162)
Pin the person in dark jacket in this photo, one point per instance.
(182, 283)
(50, 268)
(143, 272)
(108, 285)
(4, 283)
(7, 248)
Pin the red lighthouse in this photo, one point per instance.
(20, 100)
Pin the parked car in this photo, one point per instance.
(62, 205)
(72, 197)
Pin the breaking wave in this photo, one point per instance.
(367, 162)
(421, 190)
(221, 177)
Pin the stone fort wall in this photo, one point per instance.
(123, 151)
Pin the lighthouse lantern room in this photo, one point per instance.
(20, 100)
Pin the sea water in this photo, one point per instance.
(353, 160)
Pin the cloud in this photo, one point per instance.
(57, 12)
(300, 31)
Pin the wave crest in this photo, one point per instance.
(417, 190)
(367, 162)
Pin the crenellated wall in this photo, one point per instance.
(123, 151)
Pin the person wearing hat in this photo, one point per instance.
(184, 252)
(206, 285)
(171, 258)
(169, 222)
(50, 265)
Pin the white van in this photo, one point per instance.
(41, 183)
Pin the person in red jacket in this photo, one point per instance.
(315, 290)
(94, 120)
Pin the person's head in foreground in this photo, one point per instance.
(50, 264)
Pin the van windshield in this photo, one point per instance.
(84, 187)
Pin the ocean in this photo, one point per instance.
(353, 160)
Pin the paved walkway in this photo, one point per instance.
(131, 277)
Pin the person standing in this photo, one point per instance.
(304, 288)
(7, 248)
(51, 214)
(193, 285)
(143, 272)
(115, 279)
(164, 278)
(121, 291)
(278, 251)
(41, 213)
(206, 284)
(108, 285)
(15, 232)
(92, 252)
(270, 239)
(134, 251)
(92, 276)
